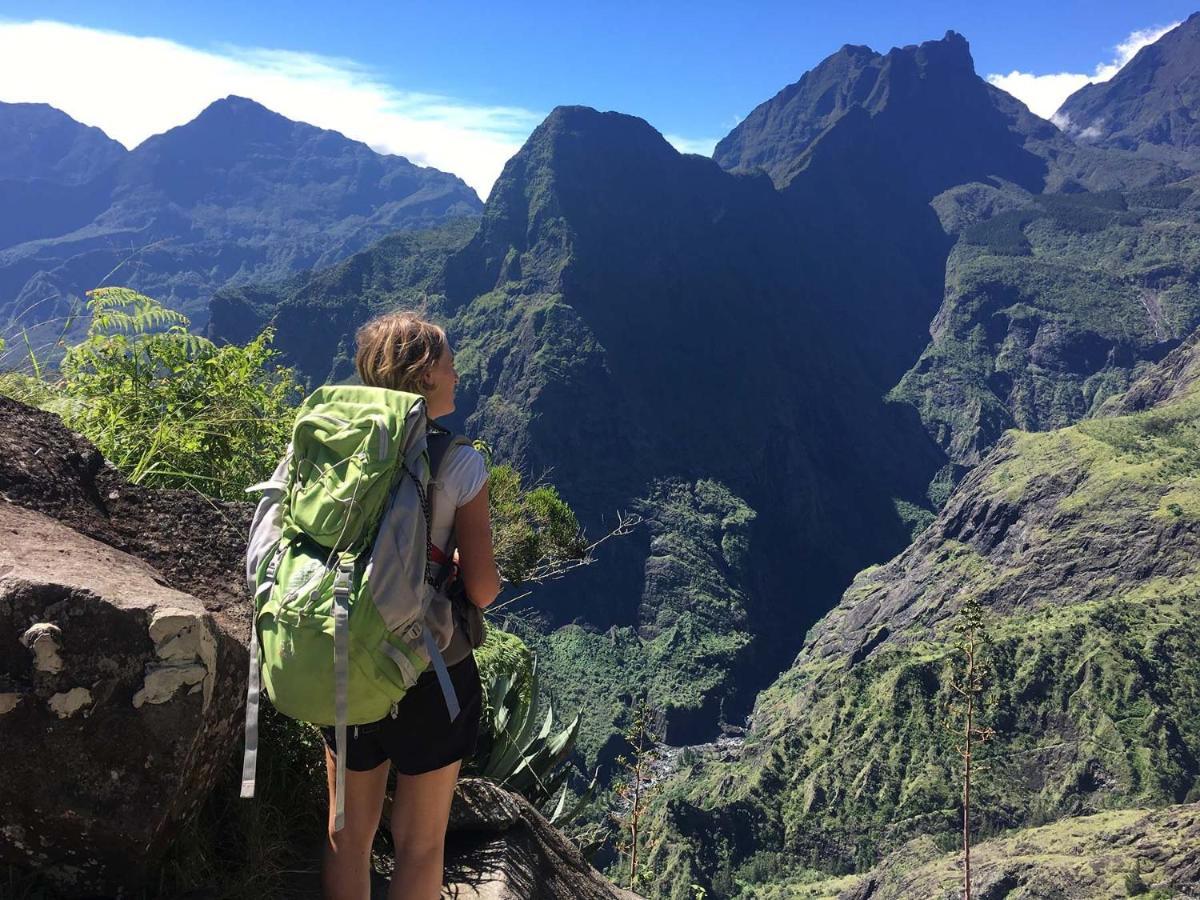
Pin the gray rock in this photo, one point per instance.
(119, 700)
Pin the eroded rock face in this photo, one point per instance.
(119, 701)
(195, 544)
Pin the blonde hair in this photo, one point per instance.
(396, 349)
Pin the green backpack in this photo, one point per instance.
(341, 591)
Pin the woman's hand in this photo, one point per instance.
(475, 557)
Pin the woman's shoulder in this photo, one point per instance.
(462, 454)
(463, 472)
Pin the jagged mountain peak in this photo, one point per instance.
(932, 121)
(576, 156)
(775, 136)
(588, 130)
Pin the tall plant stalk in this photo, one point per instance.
(636, 791)
(972, 639)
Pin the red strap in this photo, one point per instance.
(436, 554)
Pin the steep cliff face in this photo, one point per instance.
(658, 318)
(1081, 544)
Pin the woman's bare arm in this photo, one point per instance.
(476, 559)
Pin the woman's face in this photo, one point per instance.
(438, 386)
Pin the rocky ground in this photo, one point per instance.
(197, 544)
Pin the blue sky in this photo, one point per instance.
(445, 70)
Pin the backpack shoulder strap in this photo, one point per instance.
(438, 442)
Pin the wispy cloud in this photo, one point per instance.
(703, 146)
(1044, 94)
(133, 87)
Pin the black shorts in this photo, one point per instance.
(421, 737)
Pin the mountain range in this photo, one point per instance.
(898, 344)
(792, 360)
(238, 194)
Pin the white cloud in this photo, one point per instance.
(1044, 94)
(703, 146)
(134, 87)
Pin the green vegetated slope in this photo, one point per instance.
(1082, 545)
(1051, 307)
(1127, 853)
(315, 314)
(692, 626)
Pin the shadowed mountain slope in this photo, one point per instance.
(38, 141)
(1069, 271)
(52, 171)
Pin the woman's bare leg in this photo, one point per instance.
(346, 862)
(420, 811)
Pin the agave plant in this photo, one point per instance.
(523, 756)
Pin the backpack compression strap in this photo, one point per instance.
(250, 757)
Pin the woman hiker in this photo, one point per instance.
(404, 352)
(401, 351)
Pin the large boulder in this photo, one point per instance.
(118, 704)
(123, 623)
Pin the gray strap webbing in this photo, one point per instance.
(443, 674)
(250, 757)
(341, 682)
(439, 444)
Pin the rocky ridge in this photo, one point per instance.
(1149, 107)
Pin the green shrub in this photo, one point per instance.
(534, 531)
(166, 407)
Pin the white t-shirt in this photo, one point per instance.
(462, 476)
